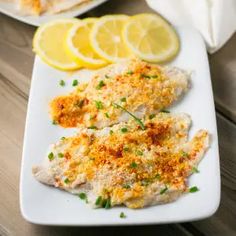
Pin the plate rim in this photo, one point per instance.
(71, 13)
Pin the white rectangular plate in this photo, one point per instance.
(9, 8)
(47, 205)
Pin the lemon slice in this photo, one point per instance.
(106, 38)
(151, 38)
(78, 45)
(49, 44)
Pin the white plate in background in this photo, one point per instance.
(42, 204)
(8, 8)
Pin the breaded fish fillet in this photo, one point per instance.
(134, 85)
(126, 164)
(37, 7)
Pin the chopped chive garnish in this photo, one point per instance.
(63, 138)
(60, 155)
(98, 201)
(127, 186)
(124, 130)
(152, 116)
(91, 117)
(115, 105)
(122, 215)
(51, 156)
(66, 181)
(123, 99)
(145, 76)
(126, 149)
(193, 189)
(154, 76)
(139, 153)
(79, 103)
(104, 202)
(100, 84)
(107, 115)
(75, 82)
(185, 154)
(158, 176)
(111, 132)
(145, 182)
(135, 118)
(163, 190)
(82, 196)
(164, 111)
(99, 105)
(62, 83)
(107, 77)
(108, 204)
(54, 122)
(92, 127)
(130, 72)
(195, 170)
(133, 165)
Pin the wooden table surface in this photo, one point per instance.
(16, 62)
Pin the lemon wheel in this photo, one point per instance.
(49, 44)
(79, 47)
(106, 38)
(151, 38)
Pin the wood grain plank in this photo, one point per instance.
(13, 109)
(223, 72)
(16, 56)
(223, 222)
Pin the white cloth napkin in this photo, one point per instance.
(215, 19)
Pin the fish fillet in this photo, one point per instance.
(37, 7)
(134, 85)
(124, 164)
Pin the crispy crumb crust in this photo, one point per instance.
(125, 166)
(140, 86)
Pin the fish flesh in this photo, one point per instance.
(37, 7)
(113, 92)
(125, 164)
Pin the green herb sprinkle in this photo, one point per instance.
(62, 83)
(51, 156)
(193, 189)
(75, 82)
(122, 215)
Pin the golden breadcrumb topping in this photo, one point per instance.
(125, 162)
(34, 5)
(141, 87)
